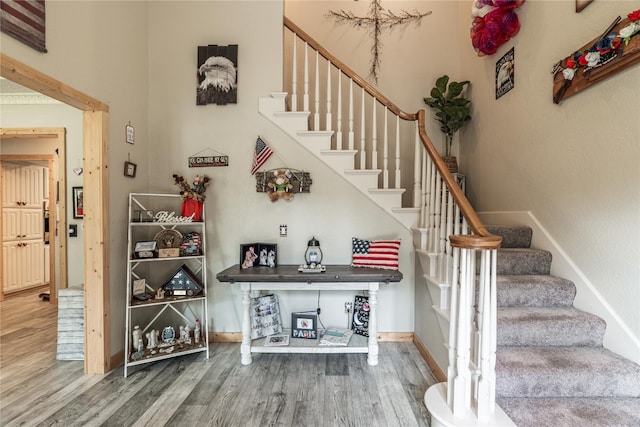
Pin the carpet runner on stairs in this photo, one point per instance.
(551, 367)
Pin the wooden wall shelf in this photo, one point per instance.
(628, 55)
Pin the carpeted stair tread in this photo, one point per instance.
(513, 236)
(572, 412)
(522, 261)
(565, 372)
(534, 290)
(548, 326)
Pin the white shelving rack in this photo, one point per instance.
(173, 310)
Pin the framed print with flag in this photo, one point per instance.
(260, 155)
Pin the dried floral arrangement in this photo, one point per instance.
(194, 191)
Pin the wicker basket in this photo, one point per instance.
(451, 163)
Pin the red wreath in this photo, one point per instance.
(494, 23)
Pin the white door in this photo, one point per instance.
(22, 227)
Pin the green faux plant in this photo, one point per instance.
(452, 109)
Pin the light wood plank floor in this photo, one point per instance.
(275, 390)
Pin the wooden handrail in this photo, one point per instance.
(348, 71)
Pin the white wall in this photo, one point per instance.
(333, 212)
(100, 49)
(573, 165)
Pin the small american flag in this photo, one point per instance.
(375, 253)
(260, 156)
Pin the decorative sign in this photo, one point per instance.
(505, 68)
(165, 216)
(208, 161)
(130, 134)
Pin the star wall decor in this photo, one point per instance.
(377, 19)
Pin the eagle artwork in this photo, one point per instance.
(217, 75)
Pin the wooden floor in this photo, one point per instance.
(275, 390)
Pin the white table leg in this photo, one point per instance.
(245, 347)
(373, 325)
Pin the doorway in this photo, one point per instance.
(96, 205)
(33, 144)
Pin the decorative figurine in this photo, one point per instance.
(136, 336)
(160, 293)
(187, 334)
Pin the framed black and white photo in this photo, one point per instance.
(130, 169)
(258, 255)
(78, 202)
(217, 75)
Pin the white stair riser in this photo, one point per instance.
(339, 160)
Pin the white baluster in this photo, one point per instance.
(306, 78)
(351, 134)
(363, 157)
(453, 327)
(462, 359)
(385, 149)
(484, 336)
(294, 75)
(339, 142)
(416, 166)
(329, 125)
(374, 133)
(316, 114)
(397, 180)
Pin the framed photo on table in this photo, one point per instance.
(78, 202)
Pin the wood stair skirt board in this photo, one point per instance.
(552, 367)
(296, 125)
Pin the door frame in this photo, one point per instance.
(61, 239)
(95, 141)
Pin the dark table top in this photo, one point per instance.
(290, 273)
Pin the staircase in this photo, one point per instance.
(319, 143)
(551, 367)
(511, 331)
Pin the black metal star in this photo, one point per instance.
(376, 20)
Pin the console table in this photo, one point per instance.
(287, 277)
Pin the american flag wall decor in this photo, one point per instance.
(25, 21)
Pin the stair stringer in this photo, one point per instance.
(295, 124)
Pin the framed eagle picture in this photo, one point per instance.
(217, 75)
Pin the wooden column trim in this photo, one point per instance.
(96, 242)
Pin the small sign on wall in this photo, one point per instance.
(208, 161)
(505, 73)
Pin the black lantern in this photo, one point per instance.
(313, 254)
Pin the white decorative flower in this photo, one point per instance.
(628, 30)
(568, 73)
(592, 58)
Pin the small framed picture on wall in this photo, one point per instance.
(130, 169)
(78, 205)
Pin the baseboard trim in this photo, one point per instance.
(116, 360)
(431, 363)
